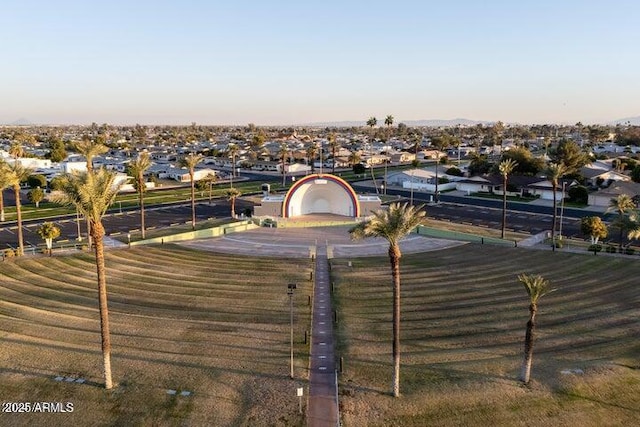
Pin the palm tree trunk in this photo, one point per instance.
(233, 207)
(394, 258)
(555, 214)
(193, 203)
(373, 176)
(16, 189)
(504, 205)
(97, 232)
(1, 205)
(621, 235)
(142, 227)
(437, 161)
(525, 374)
(333, 157)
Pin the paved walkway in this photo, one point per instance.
(323, 391)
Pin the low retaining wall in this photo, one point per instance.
(200, 234)
(457, 235)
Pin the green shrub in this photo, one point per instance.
(629, 251)
(9, 253)
(596, 248)
(611, 249)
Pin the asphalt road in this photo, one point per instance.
(125, 222)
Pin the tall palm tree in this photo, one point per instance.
(372, 122)
(439, 144)
(388, 121)
(622, 205)
(312, 152)
(232, 151)
(18, 174)
(283, 152)
(536, 287)
(92, 193)
(334, 144)
(554, 172)
(392, 225)
(190, 161)
(210, 179)
(16, 150)
(5, 182)
(90, 148)
(232, 195)
(506, 167)
(137, 168)
(354, 158)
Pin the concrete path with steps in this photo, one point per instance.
(323, 389)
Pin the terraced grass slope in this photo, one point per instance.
(463, 322)
(215, 325)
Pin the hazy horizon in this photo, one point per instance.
(293, 63)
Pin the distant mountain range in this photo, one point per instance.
(634, 121)
(20, 122)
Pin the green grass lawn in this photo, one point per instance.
(216, 325)
(463, 322)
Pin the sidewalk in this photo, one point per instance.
(323, 388)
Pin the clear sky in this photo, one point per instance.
(293, 62)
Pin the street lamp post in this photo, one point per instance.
(561, 210)
(79, 239)
(129, 240)
(290, 288)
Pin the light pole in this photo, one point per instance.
(290, 288)
(78, 222)
(129, 240)
(562, 208)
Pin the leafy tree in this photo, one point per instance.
(506, 167)
(34, 181)
(527, 164)
(454, 171)
(623, 205)
(35, 196)
(635, 174)
(137, 168)
(92, 193)
(57, 151)
(579, 194)
(392, 224)
(359, 169)
(232, 195)
(49, 231)
(554, 172)
(479, 164)
(190, 161)
(536, 287)
(571, 156)
(594, 227)
(56, 183)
